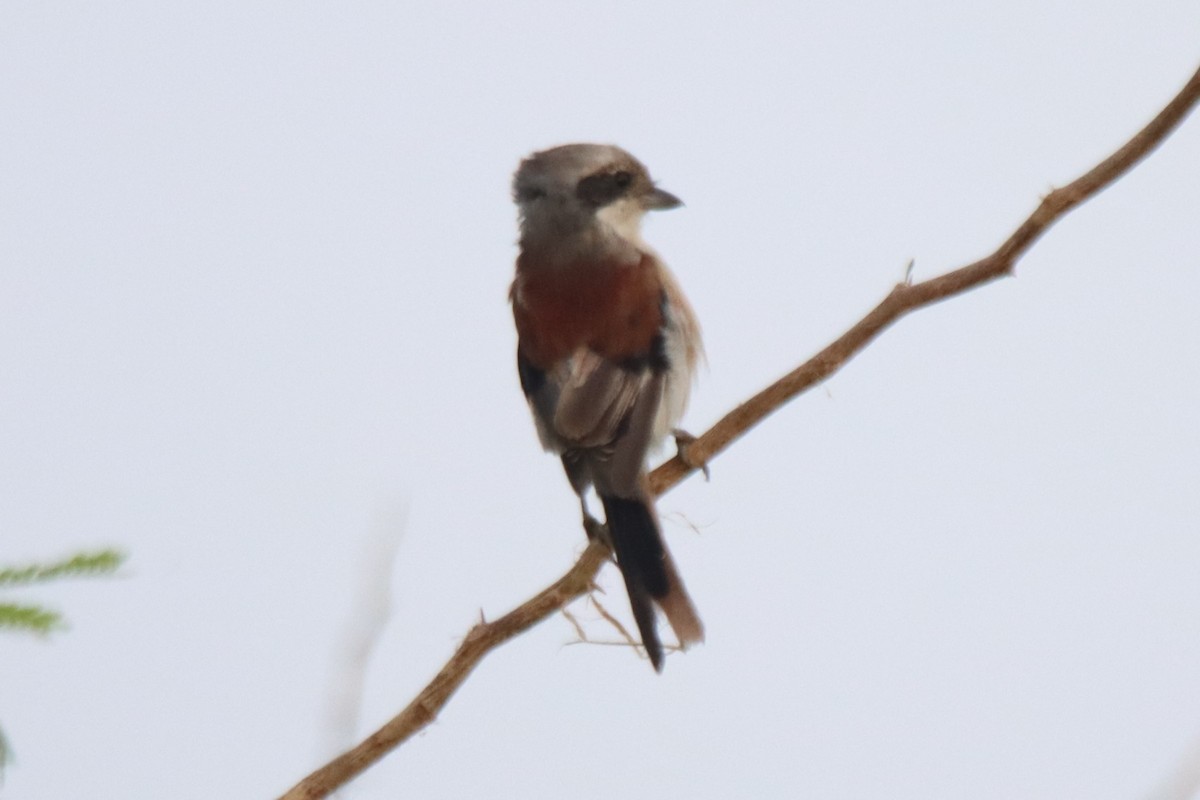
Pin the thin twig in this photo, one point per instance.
(368, 620)
(579, 631)
(616, 623)
(906, 297)
(903, 298)
(1184, 781)
(480, 640)
(667, 648)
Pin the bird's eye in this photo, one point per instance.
(527, 194)
(602, 188)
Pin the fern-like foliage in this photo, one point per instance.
(33, 618)
(101, 562)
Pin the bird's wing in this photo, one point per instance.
(595, 396)
(608, 409)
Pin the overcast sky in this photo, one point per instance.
(253, 331)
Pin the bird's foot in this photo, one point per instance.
(596, 530)
(683, 443)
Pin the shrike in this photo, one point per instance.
(607, 348)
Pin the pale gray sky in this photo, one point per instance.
(253, 264)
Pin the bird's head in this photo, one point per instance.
(575, 189)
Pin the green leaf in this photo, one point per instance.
(101, 562)
(5, 755)
(30, 618)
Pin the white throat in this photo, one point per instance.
(624, 217)
(614, 231)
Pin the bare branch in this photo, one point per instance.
(481, 640)
(907, 297)
(904, 298)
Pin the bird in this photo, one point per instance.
(607, 348)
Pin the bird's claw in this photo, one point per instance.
(683, 442)
(596, 531)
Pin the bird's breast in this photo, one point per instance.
(611, 308)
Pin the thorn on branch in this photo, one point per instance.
(478, 631)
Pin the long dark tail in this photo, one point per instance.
(650, 576)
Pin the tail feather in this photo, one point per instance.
(650, 575)
(677, 605)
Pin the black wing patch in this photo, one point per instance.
(655, 359)
(532, 378)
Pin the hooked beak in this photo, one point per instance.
(660, 200)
